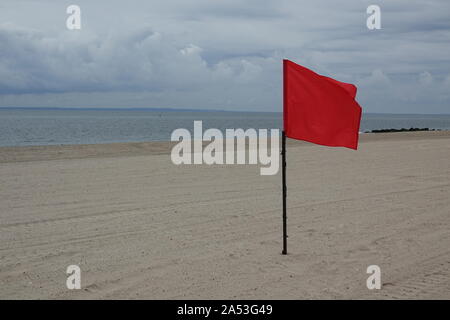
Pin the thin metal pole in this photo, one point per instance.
(283, 167)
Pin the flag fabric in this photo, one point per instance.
(319, 109)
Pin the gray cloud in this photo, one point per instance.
(221, 54)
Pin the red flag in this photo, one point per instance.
(319, 109)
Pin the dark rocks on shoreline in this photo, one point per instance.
(400, 130)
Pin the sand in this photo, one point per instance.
(140, 227)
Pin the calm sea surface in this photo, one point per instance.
(22, 127)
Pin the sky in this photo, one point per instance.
(221, 54)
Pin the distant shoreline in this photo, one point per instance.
(196, 110)
(402, 130)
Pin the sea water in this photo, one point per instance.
(22, 127)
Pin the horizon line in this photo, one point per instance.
(183, 110)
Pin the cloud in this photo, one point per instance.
(143, 61)
(425, 78)
(31, 62)
(222, 54)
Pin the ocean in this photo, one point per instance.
(30, 127)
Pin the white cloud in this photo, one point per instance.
(425, 78)
(191, 49)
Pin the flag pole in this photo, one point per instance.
(283, 167)
(283, 157)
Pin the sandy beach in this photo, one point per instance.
(140, 227)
